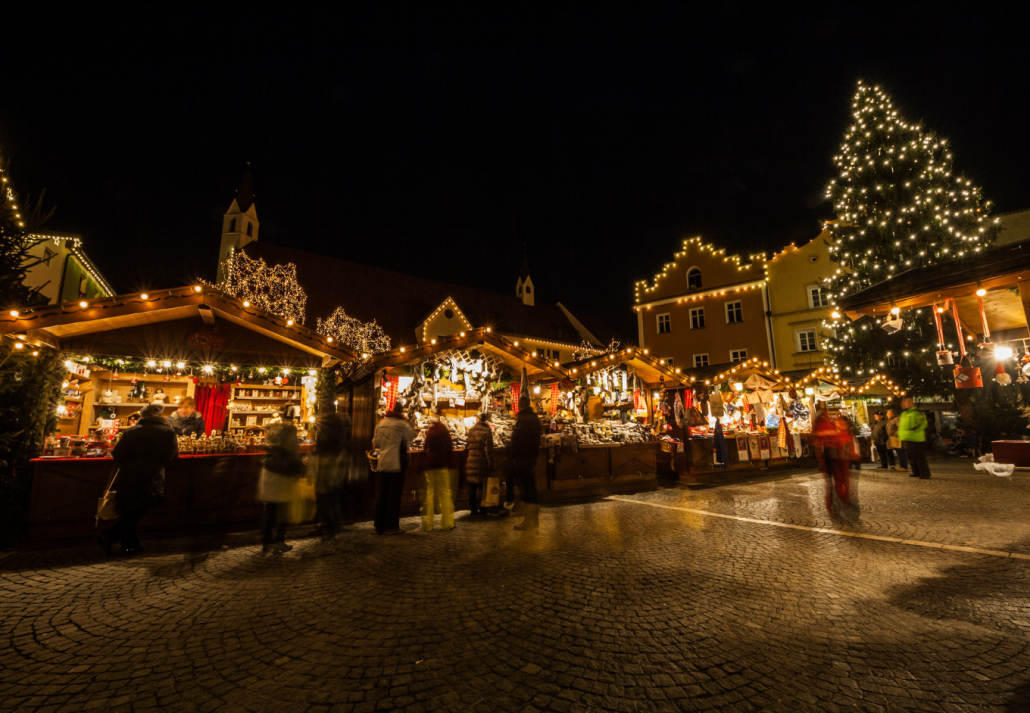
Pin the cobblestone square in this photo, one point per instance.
(738, 597)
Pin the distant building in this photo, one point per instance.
(1015, 228)
(797, 304)
(414, 310)
(65, 272)
(705, 308)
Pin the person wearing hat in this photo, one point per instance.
(393, 436)
(141, 455)
(880, 439)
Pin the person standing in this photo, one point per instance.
(894, 447)
(439, 449)
(880, 439)
(186, 420)
(480, 461)
(524, 452)
(392, 437)
(833, 451)
(332, 441)
(912, 432)
(277, 486)
(141, 455)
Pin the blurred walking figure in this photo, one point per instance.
(332, 446)
(524, 451)
(894, 446)
(880, 439)
(392, 437)
(912, 432)
(277, 485)
(480, 463)
(141, 455)
(834, 452)
(438, 452)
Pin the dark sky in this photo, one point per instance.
(437, 141)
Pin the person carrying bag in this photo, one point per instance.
(280, 485)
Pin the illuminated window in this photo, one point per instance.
(664, 323)
(738, 355)
(807, 341)
(700, 360)
(697, 318)
(694, 278)
(734, 313)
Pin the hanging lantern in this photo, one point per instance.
(944, 356)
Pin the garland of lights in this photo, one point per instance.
(274, 289)
(186, 369)
(363, 337)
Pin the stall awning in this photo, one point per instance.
(196, 322)
(507, 351)
(879, 385)
(744, 370)
(638, 361)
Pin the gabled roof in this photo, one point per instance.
(638, 361)
(400, 303)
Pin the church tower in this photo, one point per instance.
(239, 224)
(524, 287)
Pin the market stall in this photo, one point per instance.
(453, 378)
(126, 351)
(741, 418)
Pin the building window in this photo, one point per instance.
(250, 230)
(817, 297)
(669, 362)
(734, 313)
(83, 284)
(694, 278)
(806, 340)
(528, 289)
(697, 318)
(700, 360)
(738, 355)
(232, 225)
(48, 255)
(550, 354)
(664, 323)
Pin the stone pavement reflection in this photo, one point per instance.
(613, 606)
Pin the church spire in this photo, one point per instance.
(240, 223)
(524, 288)
(245, 194)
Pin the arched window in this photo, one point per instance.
(232, 225)
(694, 278)
(250, 234)
(528, 289)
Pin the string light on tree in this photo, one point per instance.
(272, 288)
(362, 337)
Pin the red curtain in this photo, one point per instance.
(211, 403)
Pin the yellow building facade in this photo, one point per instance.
(797, 304)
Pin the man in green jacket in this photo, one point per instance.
(912, 432)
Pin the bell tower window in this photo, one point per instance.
(232, 225)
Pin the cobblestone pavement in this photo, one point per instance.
(613, 606)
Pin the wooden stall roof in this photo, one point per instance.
(879, 385)
(484, 339)
(803, 378)
(995, 270)
(744, 369)
(638, 361)
(122, 325)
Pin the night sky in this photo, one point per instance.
(437, 141)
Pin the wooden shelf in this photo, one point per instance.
(136, 404)
(262, 387)
(265, 398)
(250, 413)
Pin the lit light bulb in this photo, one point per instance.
(895, 310)
(14, 313)
(197, 288)
(151, 363)
(145, 296)
(166, 364)
(84, 304)
(68, 365)
(232, 368)
(246, 303)
(19, 345)
(835, 315)
(208, 368)
(180, 365)
(536, 389)
(261, 370)
(981, 292)
(1002, 352)
(311, 372)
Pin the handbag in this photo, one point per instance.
(107, 504)
(967, 377)
(301, 505)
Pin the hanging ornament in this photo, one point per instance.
(554, 399)
(944, 356)
(1025, 362)
(516, 389)
(1000, 375)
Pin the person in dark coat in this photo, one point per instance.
(439, 450)
(282, 467)
(332, 443)
(480, 462)
(186, 420)
(880, 440)
(524, 451)
(141, 455)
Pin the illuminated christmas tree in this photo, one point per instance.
(272, 288)
(362, 337)
(898, 206)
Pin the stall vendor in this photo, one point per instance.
(186, 420)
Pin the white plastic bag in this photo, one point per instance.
(988, 458)
(1003, 470)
